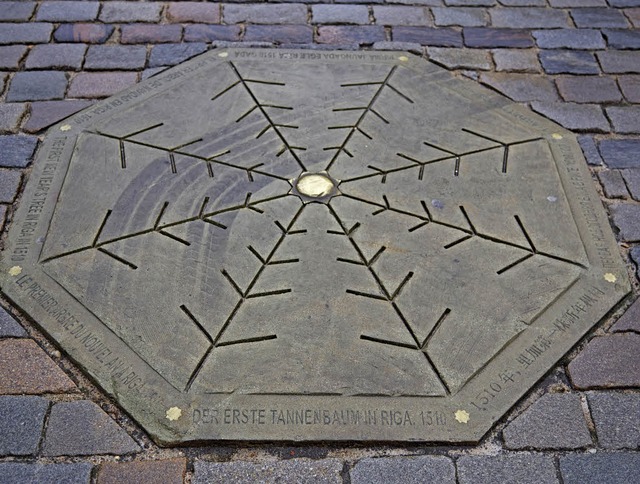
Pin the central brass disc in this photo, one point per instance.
(315, 185)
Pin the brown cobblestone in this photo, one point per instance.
(194, 12)
(88, 33)
(170, 471)
(26, 368)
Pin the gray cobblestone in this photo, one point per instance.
(625, 119)
(171, 54)
(10, 116)
(33, 33)
(632, 180)
(404, 470)
(436, 37)
(494, 38)
(9, 184)
(523, 3)
(568, 62)
(340, 14)
(279, 34)
(619, 62)
(616, 468)
(360, 34)
(9, 327)
(555, 421)
(292, 13)
(16, 11)
(11, 55)
(209, 33)
(507, 469)
(64, 56)
(148, 33)
(630, 86)
(613, 184)
(37, 86)
(620, 153)
(599, 18)
(110, 57)
(89, 33)
(306, 471)
(626, 217)
(616, 418)
(529, 18)
(21, 422)
(130, 11)
(580, 117)
(590, 150)
(634, 253)
(630, 320)
(569, 39)
(400, 15)
(67, 11)
(82, 428)
(516, 60)
(391, 45)
(14, 472)
(45, 113)
(613, 360)
(461, 58)
(588, 89)
(470, 3)
(100, 84)
(577, 3)
(522, 87)
(622, 39)
(462, 16)
(16, 151)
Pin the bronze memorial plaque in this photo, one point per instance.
(312, 245)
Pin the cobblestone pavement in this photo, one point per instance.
(575, 61)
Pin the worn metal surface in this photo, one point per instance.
(299, 245)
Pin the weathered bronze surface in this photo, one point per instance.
(300, 245)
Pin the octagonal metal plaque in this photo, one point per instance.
(301, 245)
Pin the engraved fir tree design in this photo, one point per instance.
(383, 242)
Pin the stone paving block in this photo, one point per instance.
(400, 15)
(630, 86)
(26, 368)
(171, 54)
(590, 150)
(167, 471)
(462, 16)
(630, 320)
(599, 18)
(9, 184)
(130, 12)
(292, 13)
(529, 18)
(16, 151)
(14, 472)
(577, 3)
(63, 56)
(100, 84)
(209, 33)
(620, 153)
(45, 113)
(37, 86)
(613, 184)
(11, 55)
(470, 3)
(516, 60)
(632, 179)
(10, 116)
(21, 422)
(68, 11)
(83, 428)
(581, 117)
(568, 62)
(619, 62)
(146, 33)
(616, 418)
(453, 58)
(625, 119)
(360, 34)
(608, 361)
(609, 468)
(32, 33)
(523, 3)
(633, 14)
(522, 87)
(404, 470)
(109, 57)
(507, 469)
(16, 11)
(493, 38)
(555, 421)
(626, 217)
(436, 37)
(9, 327)
(622, 39)
(306, 471)
(634, 253)
(340, 14)
(624, 3)
(588, 89)
(392, 45)
(89, 33)
(569, 39)
(279, 34)
(193, 12)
